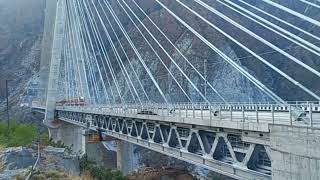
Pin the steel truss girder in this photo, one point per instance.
(220, 151)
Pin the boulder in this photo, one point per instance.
(18, 158)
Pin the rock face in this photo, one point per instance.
(18, 158)
(15, 161)
(58, 158)
(20, 36)
(225, 79)
(20, 43)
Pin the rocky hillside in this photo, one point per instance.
(20, 44)
(231, 85)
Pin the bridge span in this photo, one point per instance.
(121, 70)
(237, 140)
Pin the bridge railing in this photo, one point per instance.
(298, 114)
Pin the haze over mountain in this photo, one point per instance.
(21, 26)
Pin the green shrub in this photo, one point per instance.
(85, 163)
(23, 135)
(17, 134)
(44, 139)
(97, 172)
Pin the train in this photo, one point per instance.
(78, 101)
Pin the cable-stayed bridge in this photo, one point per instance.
(115, 68)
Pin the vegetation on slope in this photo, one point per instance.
(17, 134)
(101, 173)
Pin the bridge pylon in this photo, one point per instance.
(68, 134)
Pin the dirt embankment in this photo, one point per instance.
(161, 174)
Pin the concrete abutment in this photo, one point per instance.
(295, 152)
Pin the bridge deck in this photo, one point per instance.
(251, 117)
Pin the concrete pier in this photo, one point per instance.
(69, 134)
(124, 157)
(72, 136)
(102, 156)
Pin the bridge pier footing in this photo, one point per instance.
(295, 152)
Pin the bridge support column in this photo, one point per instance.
(103, 155)
(71, 135)
(54, 134)
(295, 152)
(124, 157)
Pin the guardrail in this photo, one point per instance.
(40, 103)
